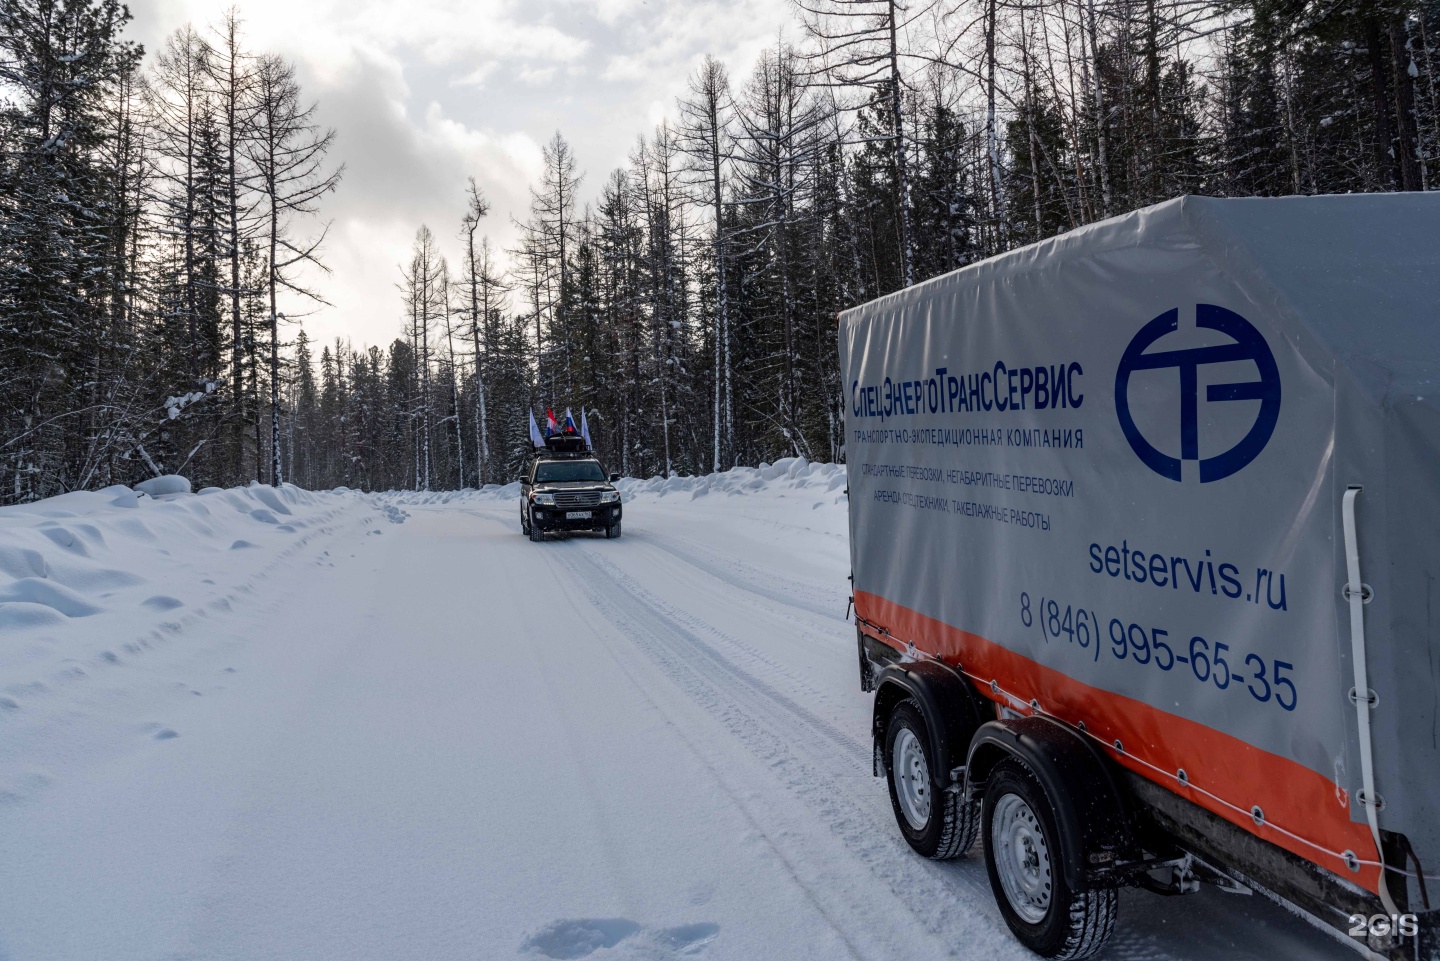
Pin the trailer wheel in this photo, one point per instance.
(940, 825)
(1022, 852)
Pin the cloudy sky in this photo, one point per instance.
(425, 93)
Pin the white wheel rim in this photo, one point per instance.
(1022, 858)
(912, 779)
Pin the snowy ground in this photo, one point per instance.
(261, 724)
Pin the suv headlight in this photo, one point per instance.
(545, 500)
(609, 497)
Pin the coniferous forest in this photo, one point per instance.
(160, 212)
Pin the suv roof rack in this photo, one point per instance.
(567, 443)
(564, 447)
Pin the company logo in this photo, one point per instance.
(1249, 345)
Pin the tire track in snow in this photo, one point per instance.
(778, 605)
(786, 592)
(705, 753)
(820, 762)
(948, 900)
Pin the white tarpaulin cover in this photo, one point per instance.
(1106, 472)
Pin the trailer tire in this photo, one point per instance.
(1022, 856)
(938, 824)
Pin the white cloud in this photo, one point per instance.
(535, 76)
(426, 93)
(477, 77)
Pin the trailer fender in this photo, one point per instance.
(949, 705)
(1094, 816)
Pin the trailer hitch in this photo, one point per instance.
(1186, 873)
(1181, 879)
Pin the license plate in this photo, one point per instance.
(577, 515)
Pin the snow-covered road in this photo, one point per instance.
(393, 728)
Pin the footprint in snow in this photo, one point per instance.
(579, 938)
(165, 734)
(162, 602)
(29, 784)
(584, 937)
(240, 545)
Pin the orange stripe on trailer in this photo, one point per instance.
(1305, 812)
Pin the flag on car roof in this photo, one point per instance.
(585, 429)
(570, 427)
(550, 426)
(535, 437)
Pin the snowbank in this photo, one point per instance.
(93, 578)
(164, 484)
(787, 474)
(791, 473)
(111, 552)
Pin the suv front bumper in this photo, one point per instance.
(554, 519)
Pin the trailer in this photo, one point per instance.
(1145, 541)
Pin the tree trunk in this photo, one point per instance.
(232, 196)
(482, 441)
(1387, 166)
(1406, 127)
(1102, 120)
(722, 297)
(902, 175)
(992, 140)
(276, 476)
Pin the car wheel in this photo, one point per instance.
(524, 522)
(536, 534)
(1022, 857)
(613, 531)
(940, 825)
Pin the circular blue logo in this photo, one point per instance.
(1248, 345)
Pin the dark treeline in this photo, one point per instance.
(152, 219)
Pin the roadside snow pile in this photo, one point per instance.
(788, 474)
(95, 577)
(164, 484)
